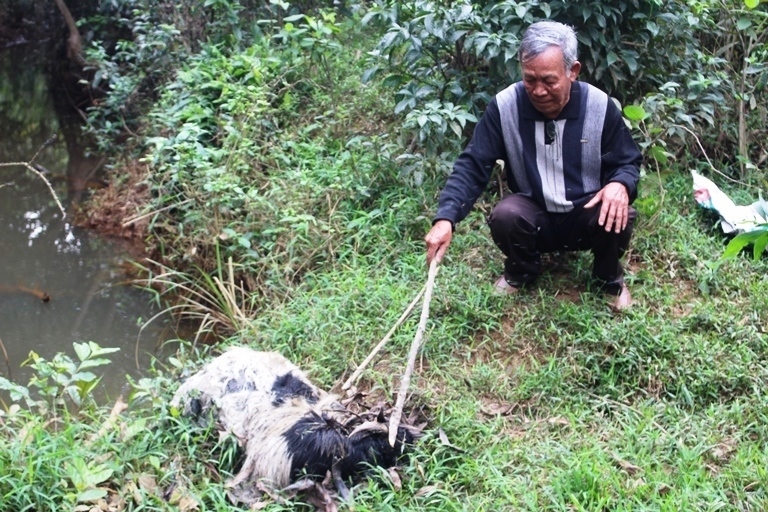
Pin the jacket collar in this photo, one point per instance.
(570, 111)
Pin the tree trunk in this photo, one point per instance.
(74, 43)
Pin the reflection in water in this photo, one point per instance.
(58, 284)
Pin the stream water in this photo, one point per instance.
(58, 284)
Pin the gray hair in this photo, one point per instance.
(543, 35)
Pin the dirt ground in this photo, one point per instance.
(116, 211)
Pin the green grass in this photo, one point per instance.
(549, 401)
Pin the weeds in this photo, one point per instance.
(284, 226)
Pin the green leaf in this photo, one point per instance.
(91, 495)
(394, 80)
(16, 391)
(739, 242)
(99, 474)
(429, 23)
(92, 363)
(84, 377)
(388, 39)
(631, 61)
(82, 350)
(74, 395)
(658, 153)
(743, 23)
(635, 112)
(76, 470)
(134, 428)
(751, 4)
(370, 74)
(96, 350)
(760, 245)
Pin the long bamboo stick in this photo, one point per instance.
(394, 420)
(351, 380)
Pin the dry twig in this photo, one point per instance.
(7, 361)
(154, 212)
(29, 167)
(711, 166)
(119, 407)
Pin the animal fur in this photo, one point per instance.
(288, 427)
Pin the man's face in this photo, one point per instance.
(547, 82)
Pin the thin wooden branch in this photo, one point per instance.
(351, 380)
(710, 161)
(117, 409)
(42, 177)
(7, 360)
(29, 166)
(394, 420)
(154, 212)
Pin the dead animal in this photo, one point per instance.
(289, 429)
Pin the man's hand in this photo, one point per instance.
(614, 210)
(438, 239)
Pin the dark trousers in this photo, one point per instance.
(523, 231)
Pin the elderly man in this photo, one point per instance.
(570, 162)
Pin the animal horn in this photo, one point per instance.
(370, 427)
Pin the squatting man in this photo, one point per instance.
(571, 164)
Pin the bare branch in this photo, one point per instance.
(29, 167)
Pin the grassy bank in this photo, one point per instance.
(547, 400)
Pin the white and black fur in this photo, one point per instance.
(288, 428)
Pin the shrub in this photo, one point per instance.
(444, 59)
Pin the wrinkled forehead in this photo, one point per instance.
(544, 69)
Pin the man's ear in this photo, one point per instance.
(574, 73)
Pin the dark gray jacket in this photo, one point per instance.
(560, 163)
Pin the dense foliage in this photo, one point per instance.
(679, 60)
(217, 135)
(287, 201)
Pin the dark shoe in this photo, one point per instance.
(502, 287)
(623, 300)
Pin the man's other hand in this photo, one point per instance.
(438, 239)
(614, 207)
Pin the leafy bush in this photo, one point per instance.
(665, 120)
(131, 50)
(52, 458)
(246, 163)
(447, 58)
(39, 474)
(462, 53)
(134, 45)
(61, 382)
(734, 39)
(217, 120)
